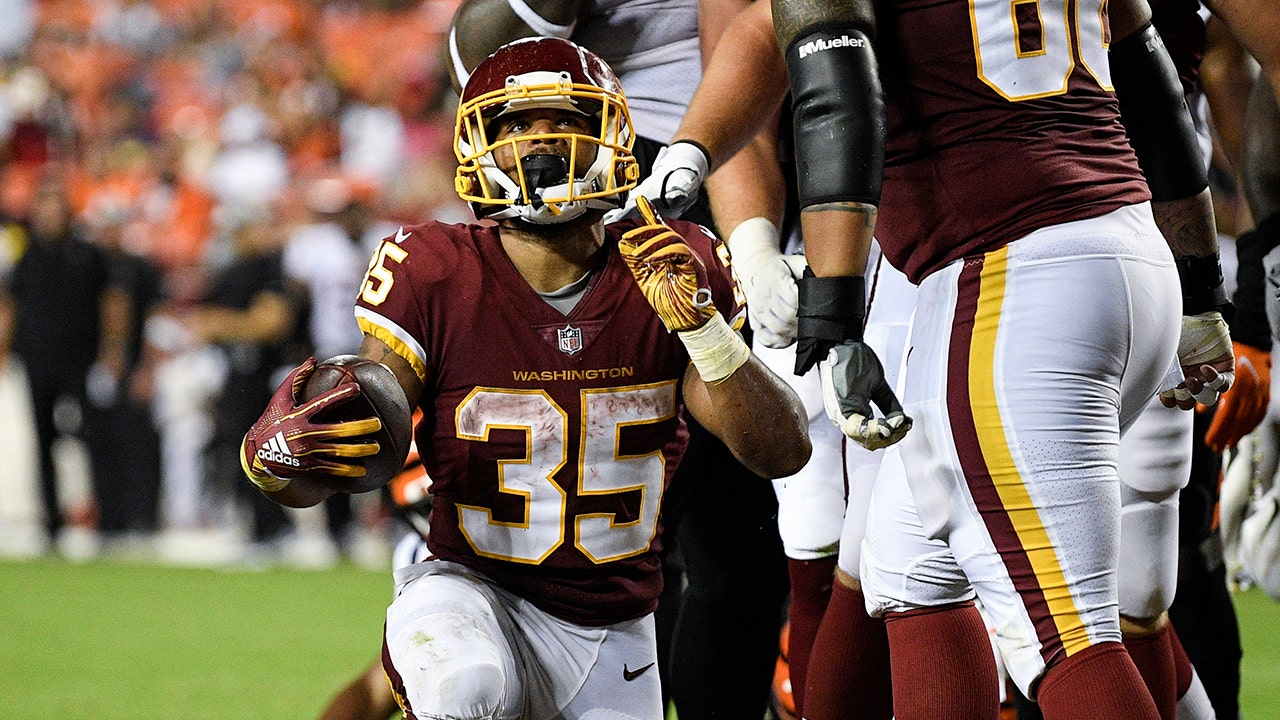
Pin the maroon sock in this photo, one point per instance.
(1181, 664)
(811, 582)
(1099, 683)
(850, 680)
(943, 665)
(1152, 654)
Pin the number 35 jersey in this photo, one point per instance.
(550, 439)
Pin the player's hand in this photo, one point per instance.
(1234, 497)
(1245, 404)
(670, 274)
(853, 379)
(1208, 366)
(285, 443)
(768, 279)
(672, 186)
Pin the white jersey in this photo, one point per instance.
(652, 46)
(331, 266)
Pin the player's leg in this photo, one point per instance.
(1155, 463)
(449, 649)
(623, 682)
(368, 695)
(811, 507)
(725, 643)
(854, 679)
(1012, 459)
(941, 660)
(1202, 610)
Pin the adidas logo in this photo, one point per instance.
(821, 44)
(277, 451)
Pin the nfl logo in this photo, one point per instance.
(570, 339)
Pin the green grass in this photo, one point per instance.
(1259, 618)
(123, 642)
(120, 641)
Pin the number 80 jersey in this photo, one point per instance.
(550, 439)
(1000, 120)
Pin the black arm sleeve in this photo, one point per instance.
(838, 116)
(1155, 116)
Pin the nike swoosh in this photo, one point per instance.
(401, 235)
(630, 675)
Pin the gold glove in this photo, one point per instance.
(670, 274)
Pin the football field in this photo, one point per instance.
(121, 641)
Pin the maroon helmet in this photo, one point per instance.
(544, 73)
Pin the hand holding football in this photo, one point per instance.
(381, 397)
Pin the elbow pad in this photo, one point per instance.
(1155, 116)
(838, 111)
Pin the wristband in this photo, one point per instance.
(715, 349)
(1202, 285)
(831, 308)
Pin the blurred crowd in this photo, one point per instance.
(190, 191)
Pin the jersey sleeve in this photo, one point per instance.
(388, 306)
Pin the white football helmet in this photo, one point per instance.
(543, 72)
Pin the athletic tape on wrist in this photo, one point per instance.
(715, 349)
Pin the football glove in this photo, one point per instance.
(1204, 352)
(768, 279)
(285, 443)
(672, 186)
(1242, 407)
(853, 379)
(670, 274)
(1240, 467)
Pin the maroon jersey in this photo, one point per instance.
(550, 439)
(1000, 122)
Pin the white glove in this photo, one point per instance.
(852, 379)
(1205, 340)
(1233, 500)
(672, 186)
(768, 278)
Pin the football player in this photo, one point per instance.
(967, 125)
(552, 357)
(725, 570)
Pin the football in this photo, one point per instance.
(381, 397)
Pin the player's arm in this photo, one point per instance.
(756, 414)
(838, 118)
(481, 26)
(1256, 24)
(1162, 134)
(743, 84)
(728, 137)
